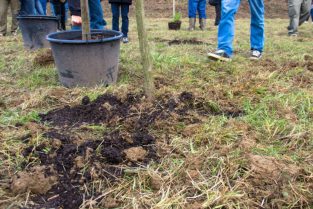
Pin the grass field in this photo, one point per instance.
(251, 148)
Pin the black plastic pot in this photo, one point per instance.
(174, 25)
(35, 29)
(86, 63)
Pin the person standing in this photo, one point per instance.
(95, 12)
(299, 12)
(4, 6)
(195, 6)
(120, 8)
(226, 30)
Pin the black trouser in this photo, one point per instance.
(217, 14)
(60, 12)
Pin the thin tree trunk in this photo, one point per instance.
(85, 19)
(144, 50)
(174, 8)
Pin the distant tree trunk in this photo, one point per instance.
(174, 8)
(144, 50)
(85, 19)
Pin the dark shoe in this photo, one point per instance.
(255, 55)
(219, 55)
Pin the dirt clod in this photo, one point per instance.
(44, 58)
(135, 154)
(156, 182)
(270, 167)
(39, 180)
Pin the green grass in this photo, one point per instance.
(275, 93)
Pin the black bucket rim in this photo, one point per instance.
(39, 17)
(119, 36)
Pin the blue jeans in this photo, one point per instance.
(44, 6)
(96, 16)
(226, 29)
(38, 8)
(124, 8)
(197, 5)
(312, 14)
(27, 7)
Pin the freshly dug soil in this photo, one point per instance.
(78, 161)
(110, 109)
(192, 41)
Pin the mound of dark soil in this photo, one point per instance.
(192, 41)
(112, 110)
(78, 162)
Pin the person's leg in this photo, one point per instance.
(15, 8)
(66, 10)
(125, 19)
(226, 29)
(96, 15)
(202, 9)
(192, 8)
(115, 8)
(38, 7)
(217, 14)
(57, 7)
(257, 25)
(4, 4)
(312, 13)
(294, 7)
(192, 13)
(305, 11)
(202, 13)
(44, 6)
(27, 7)
(63, 16)
(52, 8)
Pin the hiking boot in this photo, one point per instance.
(192, 23)
(125, 40)
(202, 22)
(255, 55)
(219, 55)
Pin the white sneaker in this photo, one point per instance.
(219, 55)
(125, 40)
(255, 55)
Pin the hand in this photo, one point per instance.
(76, 20)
